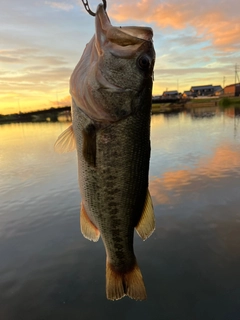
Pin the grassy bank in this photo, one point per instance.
(197, 103)
(227, 101)
(222, 102)
(207, 100)
(166, 107)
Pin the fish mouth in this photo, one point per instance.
(142, 33)
(122, 36)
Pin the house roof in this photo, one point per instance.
(234, 84)
(156, 97)
(209, 86)
(216, 88)
(171, 92)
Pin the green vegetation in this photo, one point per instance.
(207, 100)
(227, 101)
(222, 102)
(159, 105)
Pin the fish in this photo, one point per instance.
(111, 91)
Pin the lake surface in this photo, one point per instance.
(190, 265)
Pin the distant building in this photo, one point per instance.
(170, 94)
(207, 90)
(232, 90)
(218, 90)
(202, 90)
(187, 94)
(156, 98)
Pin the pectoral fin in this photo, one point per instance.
(89, 144)
(88, 229)
(66, 141)
(146, 225)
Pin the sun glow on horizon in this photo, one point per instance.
(37, 59)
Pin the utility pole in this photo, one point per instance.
(57, 98)
(224, 82)
(19, 110)
(236, 73)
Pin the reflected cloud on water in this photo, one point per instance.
(224, 163)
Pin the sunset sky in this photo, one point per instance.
(196, 43)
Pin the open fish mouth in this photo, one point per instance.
(143, 33)
(123, 36)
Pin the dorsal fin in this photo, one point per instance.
(66, 141)
(146, 224)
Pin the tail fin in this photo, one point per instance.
(129, 284)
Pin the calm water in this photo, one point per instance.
(191, 264)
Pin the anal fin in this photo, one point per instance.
(88, 229)
(146, 224)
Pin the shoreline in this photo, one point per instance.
(64, 113)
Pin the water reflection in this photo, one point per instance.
(191, 264)
(222, 164)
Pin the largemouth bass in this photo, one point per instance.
(111, 89)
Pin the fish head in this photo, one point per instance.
(114, 76)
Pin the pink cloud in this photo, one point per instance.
(216, 21)
(59, 5)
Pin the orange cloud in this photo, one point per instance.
(66, 101)
(218, 22)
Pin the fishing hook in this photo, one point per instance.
(86, 5)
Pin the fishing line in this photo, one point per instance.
(86, 5)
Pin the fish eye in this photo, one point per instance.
(143, 62)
